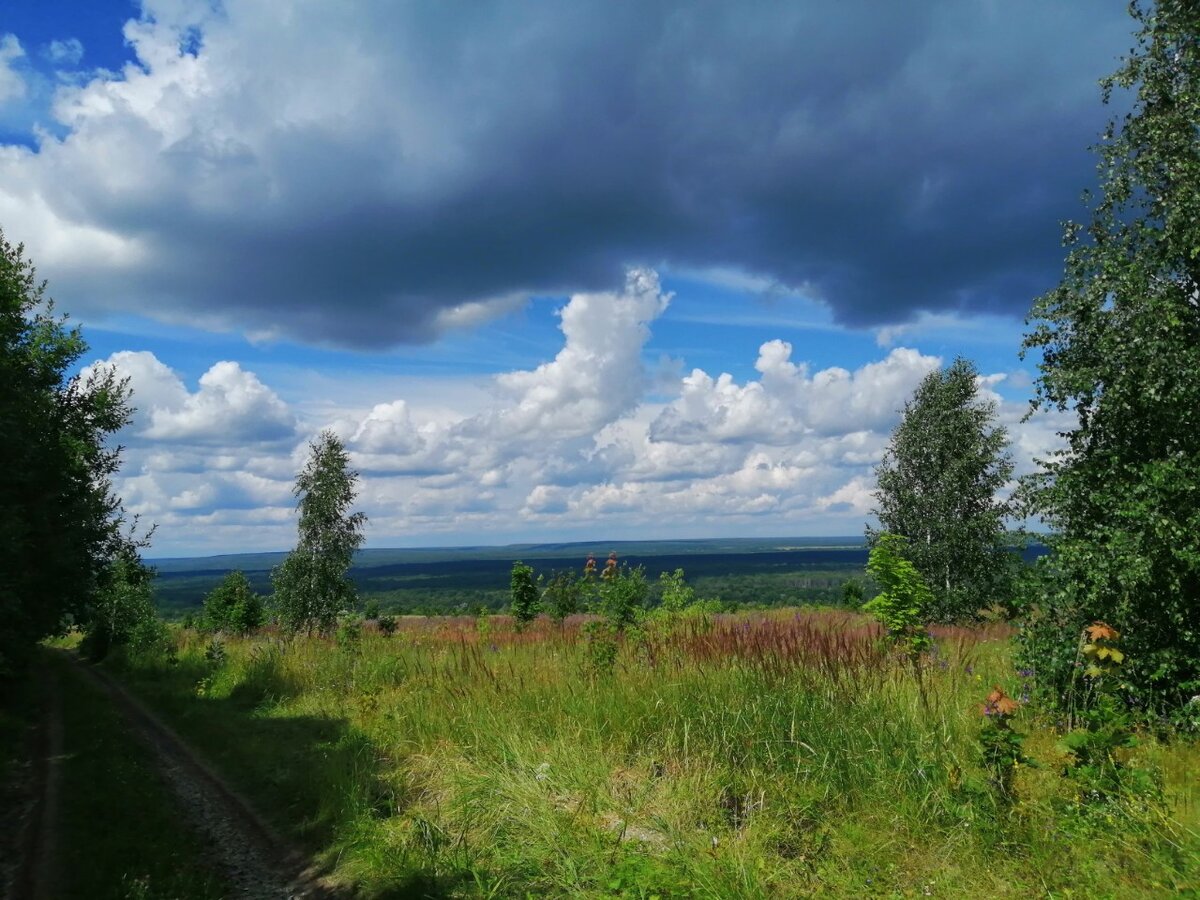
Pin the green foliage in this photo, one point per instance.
(123, 614)
(900, 606)
(1000, 746)
(853, 594)
(677, 594)
(387, 625)
(601, 647)
(312, 587)
(523, 594)
(60, 524)
(233, 606)
(622, 595)
(937, 487)
(215, 652)
(349, 632)
(562, 596)
(1104, 725)
(1119, 341)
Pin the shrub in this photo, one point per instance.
(1095, 749)
(124, 613)
(233, 606)
(1000, 747)
(523, 595)
(677, 594)
(562, 596)
(905, 597)
(853, 593)
(622, 595)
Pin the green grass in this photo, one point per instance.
(121, 833)
(775, 755)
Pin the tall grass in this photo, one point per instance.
(755, 755)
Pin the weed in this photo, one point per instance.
(1000, 746)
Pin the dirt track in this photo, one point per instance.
(256, 862)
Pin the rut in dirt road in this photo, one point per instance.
(249, 853)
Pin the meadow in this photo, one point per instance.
(773, 754)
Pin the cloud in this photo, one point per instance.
(578, 445)
(12, 83)
(787, 403)
(68, 52)
(597, 375)
(381, 174)
(232, 407)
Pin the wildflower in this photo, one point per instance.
(998, 703)
(589, 567)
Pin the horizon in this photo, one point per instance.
(534, 544)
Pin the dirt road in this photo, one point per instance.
(252, 858)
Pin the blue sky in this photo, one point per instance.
(551, 270)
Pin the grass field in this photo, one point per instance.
(781, 754)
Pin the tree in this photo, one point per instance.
(60, 523)
(311, 586)
(1119, 340)
(903, 601)
(123, 613)
(937, 487)
(233, 605)
(562, 596)
(523, 595)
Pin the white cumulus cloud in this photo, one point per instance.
(12, 83)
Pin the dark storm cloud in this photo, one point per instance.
(345, 178)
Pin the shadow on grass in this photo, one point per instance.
(314, 778)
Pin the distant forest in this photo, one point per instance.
(440, 581)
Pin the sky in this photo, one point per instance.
(552, 271)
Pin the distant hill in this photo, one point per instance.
(254, 562)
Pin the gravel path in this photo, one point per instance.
(250, 854)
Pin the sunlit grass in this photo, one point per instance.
(756, 755)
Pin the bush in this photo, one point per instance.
(523, 595)
(622, 595)
(233, 606)
(562, 596)
(902, 604)
(124, 614)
